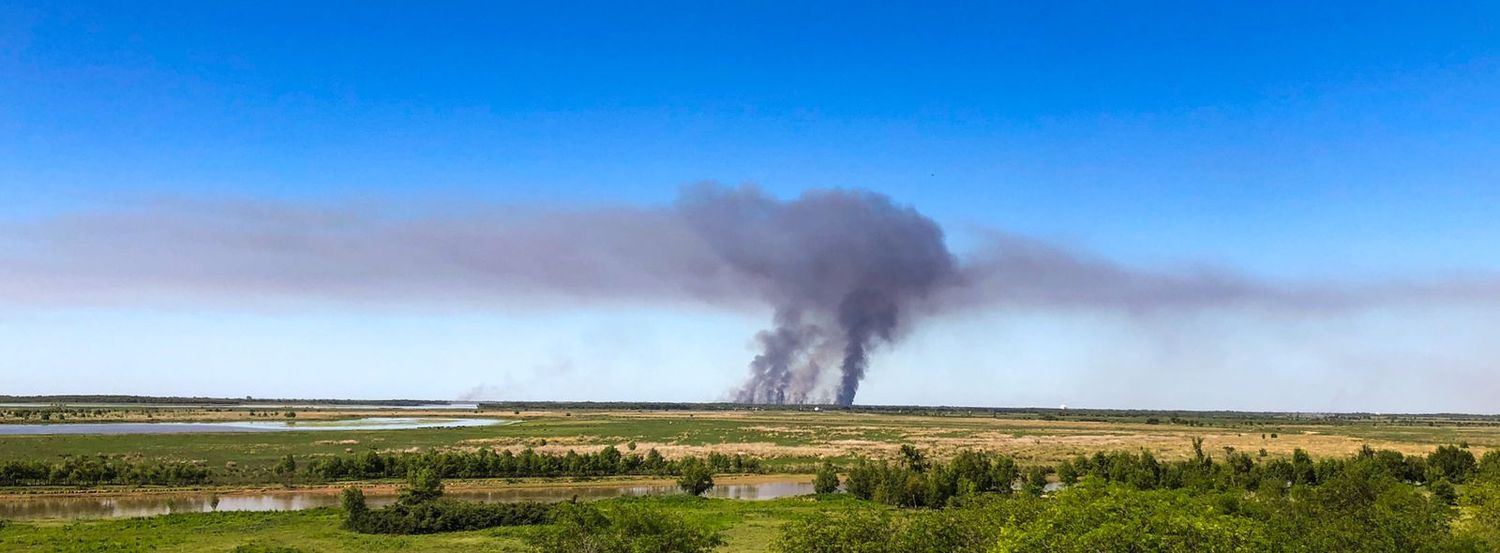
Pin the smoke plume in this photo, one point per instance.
(844, 272)
(842, 268)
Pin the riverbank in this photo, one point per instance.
(384, 485)
(748, 526)
(72, 504)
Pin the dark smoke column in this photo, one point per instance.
(840, 267)
(865, 315)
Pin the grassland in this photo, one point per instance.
(748, 526)
(790, 439)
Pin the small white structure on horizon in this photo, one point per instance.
(1063, 407)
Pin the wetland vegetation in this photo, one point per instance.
(892, 479)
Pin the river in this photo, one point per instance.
(22, 507)
(368, 423)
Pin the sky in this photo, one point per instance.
(1312, 150)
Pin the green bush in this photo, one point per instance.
(1361, 509)
(1481, 499)
(827, 480)
(1452, 463)
(697, 477)
(486, 463)
(937, 483)
(95, 470)
(353, 502)
(446, 515)
(422, 485)
(420, 510)
(851, 531)
(971, 527)
(579, 527)
(1094, 516)
(1443, 491)
(1357, 507)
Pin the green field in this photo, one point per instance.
(786, 438)
(747, 526)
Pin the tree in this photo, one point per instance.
(287, 467)
(1443, 491)
(657, 531)
(353, 501)
(582, 527)
(913, 458)
(839, 531)
(1489, 465)
(1036, 480)
(422, 485)
(697, 477)
(654, 460)
(1006, 472)
(1482, 500)
(1067, 473)
(1094, 516)
(863, 479)
(1452, 462)
(827, 480)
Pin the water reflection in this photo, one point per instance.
(21, 508)
(367, 423)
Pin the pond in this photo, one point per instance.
(368, 423)
(81, 507)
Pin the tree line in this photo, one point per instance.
(96, 470)
(486, 463)
(1373, 501)
(1376, 501)
(914, 481)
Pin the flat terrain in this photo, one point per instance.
(788, 439)
(747, 526)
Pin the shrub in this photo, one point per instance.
(353, 501)
(446, 515)
(971, 527)
(422, 485)
(827, 480)
(1360, 509)
(900, 485)
(1482, 500)
(420, 510)
(854, 530)
(93, 470)
(1443, 491)
(486, 463)
(696, 478)
(1094, 516)
(628, 529)
(1451, 462)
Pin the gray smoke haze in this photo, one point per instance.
(844, 272)
(840, 268)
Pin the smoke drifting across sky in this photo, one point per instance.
(843, 271)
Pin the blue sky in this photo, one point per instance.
(1343, 142)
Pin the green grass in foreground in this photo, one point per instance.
(747, 525)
